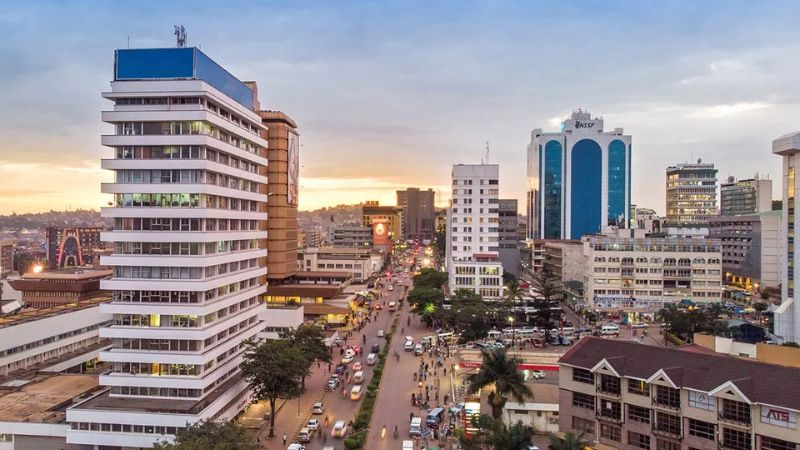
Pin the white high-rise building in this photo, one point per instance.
(473, 236)
(189, 194)
(787, 316)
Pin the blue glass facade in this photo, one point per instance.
(616, 180)
(179, 63)
(586, 188)
(552, 179)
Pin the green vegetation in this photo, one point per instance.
(546, 284)
(683, 323)
(430, 278)
(569, 442)
(207, 435)
(309, 339)
(500, 371)
(496, 435)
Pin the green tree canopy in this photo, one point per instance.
(496, 435)
(209, 435)
(308, 337)
(500, 371)
(431, 278)
(274, 369)
(569, 442)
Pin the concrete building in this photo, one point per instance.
(629, 396)
(648, 220)
(6, 259)
(349, 236)
(751, 249)
(508, 228)
(628, 274)
(541, 414)
(72, 247)
(787, 316)
(691, 194)
(189, 236)
(742, 197)
(373, 213)
(579, 179)
(565, 260)
(418, 213)
(361, 263)
(57, 339)
(60, 287)
(473, 237)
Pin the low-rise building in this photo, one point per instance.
(541, 413)
(352, 236)
(60, 287)
(629, 396)
(565, 261)
(361, 263)
(628, 274)
(750, 249)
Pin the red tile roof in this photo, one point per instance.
(689, 368)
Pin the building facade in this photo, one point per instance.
(348, 236)
(508, 228)
(564, 260)
(189, 247)
(60, 287)
(72, 247)
(691, 194)
(6, 258)
(751, 249)
(787, 316)
(627, 273)
(579, 179)
(648, 220)
(629, 396)
(373, 213)
(473, 237)
(418, 213)
(361, 263)
(742, 197)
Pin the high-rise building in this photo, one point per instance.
(579, 179)
(509, 235)
(189, 248)
(71, 247)
(473, 237)
(741, 197)
(418, 213)
(373, 213)
(691, 194)
(6, 258)
(787, 316)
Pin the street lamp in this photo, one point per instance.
(513, 335)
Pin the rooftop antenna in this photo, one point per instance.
(487, 153)
(180, 35)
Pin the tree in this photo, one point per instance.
(274, 369)
(569, 442)
(513, 293)
(309, 339)
(209, 435)
(544, 282)
(496, 435)
(500, 370)
(430, 278)
(468, 313)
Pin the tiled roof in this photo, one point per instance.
(760, 382)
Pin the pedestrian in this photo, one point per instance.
(410, 416)
(445, 371)
(329, 367)
(284, 439)
(319, 364)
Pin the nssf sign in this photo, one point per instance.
(579, 124)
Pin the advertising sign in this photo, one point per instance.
(293, 169)
(380, 231)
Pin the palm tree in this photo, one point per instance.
(500, 370)
(568, 442)
(513, 293)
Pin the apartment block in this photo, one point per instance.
(750, 249)
(630, 396)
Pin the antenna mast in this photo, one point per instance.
(487, 152)
(180, 35)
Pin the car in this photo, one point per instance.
(295, 447)
(351, 352)
(376, 348)
(410, 338)
(358, 377)
(347, 359)
(355, 393)
(304, 435)
(391, 287)
(372, 358)
(609, 329)
(381, 333)
(418, 349)
(408, 445)
(318, 408)
(537, 374)
(339, 429)
(415, 427)
(456, 409)
(409, 346)
(639, 325)
(312, 424)
(357, 366)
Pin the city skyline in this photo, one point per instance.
(383, 88)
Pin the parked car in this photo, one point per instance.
(537, 374)
(312, 424)
(295, 447)
(318, 408)
(418, 349)
(304, 435)
(609, 329)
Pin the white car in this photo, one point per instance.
(381, 333)
(639, 325)
(295, 447)
(537, 374)
(318, 408)
(339, 429)
(347, 359)
(409, 346)
(313, 424)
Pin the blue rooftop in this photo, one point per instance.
(179, 63)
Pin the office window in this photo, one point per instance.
(582, 376)
(735, 411)
(638, 387)
(701, 400)
(668, 423)
(582, 425)
(770, 443)
(638, 414)
(735, 439)
(612, 410)
(663, 444)
(668, 396)
(609, 384)
(639, 440)
(583, 400)
(701, 429)
(611, 432)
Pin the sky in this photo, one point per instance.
(391, 94)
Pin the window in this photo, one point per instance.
(582, 376)
(638, 387)
(771, 443)
(639, 440)
(735, 439)
(701, 429)
(701, 400)
(662, 444)
(667, 396)
(610, 432)
(609, 384)
(638, 414)
(668, 423)
(779, 417)
(611, 410)
(735, 411)
(583, 400)
(582, 425)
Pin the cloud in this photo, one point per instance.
(721, 111)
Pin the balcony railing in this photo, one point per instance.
(667, 433)
(672, 406)
(602, 415)
(735, 420)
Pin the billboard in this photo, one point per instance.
(293, 169)
(380, 232)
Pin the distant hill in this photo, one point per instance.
(79, 218)
(340, 214)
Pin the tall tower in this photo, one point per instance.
(787, 316)
(579, 179)
(691, 194)
(188, 238)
